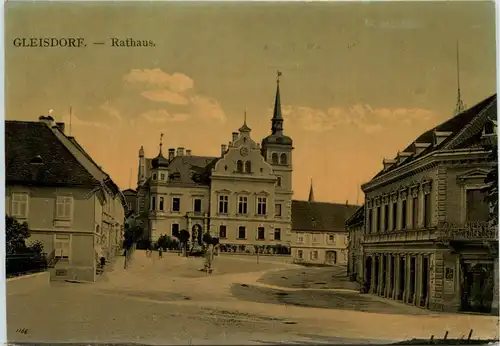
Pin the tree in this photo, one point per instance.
(15, 236)
(183, 237)
(491, 182)
(164, 242)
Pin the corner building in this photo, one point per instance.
(243, 196)
(427, 241)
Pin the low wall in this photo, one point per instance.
(27, 283)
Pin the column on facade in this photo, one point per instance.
(397, 278)
(406, 294)
(372, 279)
(375, 217)
(421, 211)
(388, 285)
(399, 215)
(380, 274)
(205, 224)
(389, 215)
(419, 279)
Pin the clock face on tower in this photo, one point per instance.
(244, 151)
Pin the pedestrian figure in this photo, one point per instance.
(103, 261)
(160, 252)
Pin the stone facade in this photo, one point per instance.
(355, 236)
(427, 241)
(243, 195)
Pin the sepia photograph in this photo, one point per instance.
(251, 172)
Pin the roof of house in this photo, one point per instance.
(320, 216)
(25, 141)
(191, 170)
(129, 192)
(453, 125)
(356, 218)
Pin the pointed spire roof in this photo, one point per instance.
(311, 192)
(277, 137)
(277, 100)
(460, 106)
(160, 160)
(245, 127)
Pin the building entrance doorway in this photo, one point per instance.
(477, 286)
(331, 257)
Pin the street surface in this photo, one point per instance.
(170, 301)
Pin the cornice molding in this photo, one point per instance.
(422, 164)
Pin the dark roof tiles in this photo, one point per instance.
(320, 216)
(25, 140)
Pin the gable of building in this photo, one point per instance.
(35, 156)
(357, 218)
(320, 216)
(190, 170)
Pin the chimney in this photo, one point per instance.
(235, 137)
(440, 136)
(388, 163)
(419, 147)
(171, 154)
(180, 151)
(188, 152)
(46, 120)
(61, 127)
(223, 148)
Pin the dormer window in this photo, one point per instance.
(490, 128)
(37, 160)
(175, 176)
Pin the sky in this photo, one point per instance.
(359, 82)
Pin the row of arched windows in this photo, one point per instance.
(279, 159)
(240, 166)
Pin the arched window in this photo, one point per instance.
(283, 159)
(248, 167)
(239, 166)
(275, 158)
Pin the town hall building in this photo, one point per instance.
(243, 195)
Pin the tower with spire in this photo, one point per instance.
(277, 151)
(460, 106)
(311, 193)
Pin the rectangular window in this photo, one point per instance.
(379, 220)
(242, 205)
(260, 233)
(300, 254)
(395, 216)
(314, 255)
(370, 221)
(315, 238)
(62, 246)
(222, 231)
(300, 238)
(129, 204)
(64, 207)
(261, 206)
(386, 217)
(427, 210)
(223, 204)
(331, 238)
(477, 208)
(176, 204)
(277, 234)
(153, 203)
(161, 203)
(162, 176)
(197, 205)
(175, 228)
(20, 205)
(277, 208)
(415, 212)
(403, 214)
(242, 232)
(278, 181)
